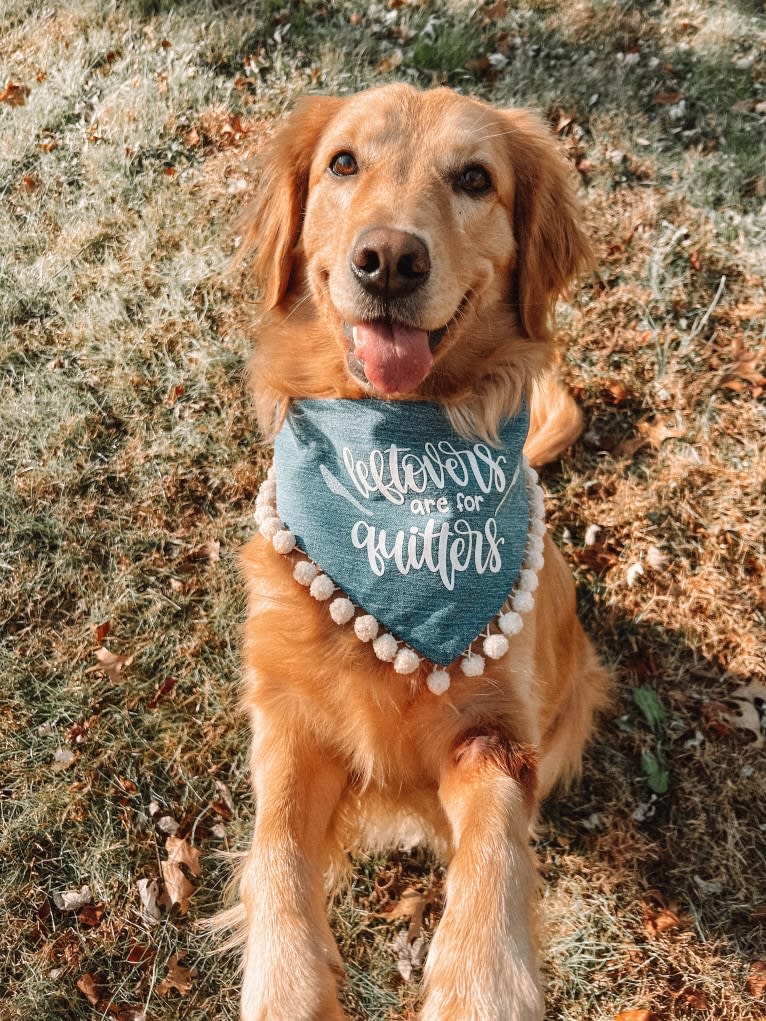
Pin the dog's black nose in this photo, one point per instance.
(392, 262)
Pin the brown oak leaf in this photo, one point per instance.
(178, 977)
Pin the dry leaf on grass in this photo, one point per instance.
(90, 987)
(62, 759)
(179, 978)
(181, 851)
(694, 999)
(111, 664)
(658, 921)
(72, 900)
(756, 980)
(90, 915)
(635, 1015)
(747, 716)
(14, 95)
(178, 889)
(149, 894)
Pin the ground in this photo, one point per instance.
(130, 461)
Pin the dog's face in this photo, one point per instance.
(429, 229)
(405, 243)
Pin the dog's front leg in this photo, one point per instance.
(291, 963)
(482, 962)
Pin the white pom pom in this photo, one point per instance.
(534, 561)
(510, 623)
(270, 527)
(532, 475)
(495, 646)
(366, 628)
(304, 572)
(537, 528)
(322, 587)
(438, 681)
(523, 602)
(534, 544)
(537, 503)
(406, 661)
(472, 665)
(385, 647)
(269, 487)
(341, 610)
(283, 542)
(262, 513)
(528, 581)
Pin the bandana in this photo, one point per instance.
(421, 528)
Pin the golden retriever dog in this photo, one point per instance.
(409, 247)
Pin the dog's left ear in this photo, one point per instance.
(552, 247)
(272, 223)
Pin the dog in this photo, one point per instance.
(409, 248)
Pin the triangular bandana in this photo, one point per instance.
(421, 528)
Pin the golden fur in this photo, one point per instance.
(346, 754)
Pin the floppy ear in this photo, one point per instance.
(272, 222)
(552, 247)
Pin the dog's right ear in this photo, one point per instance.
(271, 224)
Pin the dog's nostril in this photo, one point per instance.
(367, 260)
(413, 266)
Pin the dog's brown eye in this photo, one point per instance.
(343, 165)
(475, 180)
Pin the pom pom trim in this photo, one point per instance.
(386, 647)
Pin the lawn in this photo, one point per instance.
(130, 460)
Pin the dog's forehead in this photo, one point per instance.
(397, 121)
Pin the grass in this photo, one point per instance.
(130, 462)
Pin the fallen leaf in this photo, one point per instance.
(149, 894)
(180, 850)
(667, 98)
(123, 1012)
(14, 95)
(165, 688)
(747, 716)
(90, 987)
(410, 902)
(658, 921)
(614, 392)
(223, 805)
(140, 954)
(62, 759)
(90, 915)
(635, 1015)
(695, 999)
(111, 664)
(756, 980)
(745, 372)
(661, 428)
(72, 900)
(178, 889)
(179, 978)
(102, 631)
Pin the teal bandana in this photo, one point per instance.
(423, 529)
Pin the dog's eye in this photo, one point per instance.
(474, 180)
(343, 165)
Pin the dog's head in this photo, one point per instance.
(428, 232)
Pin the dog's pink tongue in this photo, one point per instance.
(396, 358)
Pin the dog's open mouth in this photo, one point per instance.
(394, 357)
